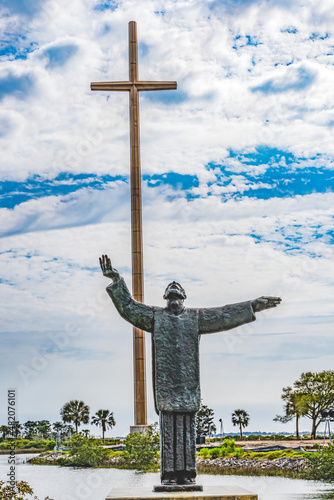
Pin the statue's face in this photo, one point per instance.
(174, 291)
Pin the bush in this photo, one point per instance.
(5, 445)
(238, 452)
(112, 453)
(50, 445)
(215, 453)
(21, 491)
(85, 452)
(321, 465)
(204, 453)
(23, 444)
(64, 462)
(8, 443)
(229, 446)
(142, 449)
(40, 443)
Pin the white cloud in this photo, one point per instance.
(199, 54)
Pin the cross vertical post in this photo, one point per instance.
(134, 86)
(140, 411)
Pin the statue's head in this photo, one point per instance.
(174, 291)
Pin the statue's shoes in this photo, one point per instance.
(169, 481)
(187, 480)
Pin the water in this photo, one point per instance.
(65, 483)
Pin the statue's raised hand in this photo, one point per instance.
(265, 303)
(107, 270)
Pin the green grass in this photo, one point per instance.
(228, 449)
(24, 444)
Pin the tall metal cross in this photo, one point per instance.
(133, 86)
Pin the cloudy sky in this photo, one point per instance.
(237, 169)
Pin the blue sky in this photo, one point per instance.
(237, 168)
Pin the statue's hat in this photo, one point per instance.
(174, 289)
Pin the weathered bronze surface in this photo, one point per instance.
(133, 86)
(176, 333)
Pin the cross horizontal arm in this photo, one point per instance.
(111, 86)
(121, 86)
(156, 85)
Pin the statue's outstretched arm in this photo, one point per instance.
(218, 319)
(136, 313)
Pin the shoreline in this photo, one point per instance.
(286, 467)
(23, 451)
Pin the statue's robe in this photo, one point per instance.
(175, 365)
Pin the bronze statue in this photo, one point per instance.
(176, 333)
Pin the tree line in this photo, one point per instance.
(308, 396)
(74, 412)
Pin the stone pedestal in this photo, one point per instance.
(177, 487)
(208, 493)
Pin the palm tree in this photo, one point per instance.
(15, 429)
(105, 419)
(75, 411)
(5, 431)
(240, 418)
(57, 427)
